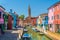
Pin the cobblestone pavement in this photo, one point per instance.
(9, 36)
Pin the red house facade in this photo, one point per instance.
(9, 21)
(33, 21)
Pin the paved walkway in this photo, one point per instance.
(11, 35)
(54, 36)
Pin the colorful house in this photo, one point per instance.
(14, 19)
(25, 22)
(30, 20)
(10, 22)
(54, 17)
(2, 18)
(33, 21)
(6, 19)
(44, 17)
(39, 21)
(21, 23)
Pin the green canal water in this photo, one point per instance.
(36, 35)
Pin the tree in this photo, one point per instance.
(21, 17)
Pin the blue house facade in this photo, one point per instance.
(45, 22)
(14, 19)
(44, 17)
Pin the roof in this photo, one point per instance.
(54, 4)
(43, 14)
(34, 17)
(31, 17)
(2, 7)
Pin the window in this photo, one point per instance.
(12, 18)
(55, 8)
(3, 16)
(52, 9)
(0, 14)
(52, 17)
(50, 25)
(59, 7)
(46, 17)
(58, 16)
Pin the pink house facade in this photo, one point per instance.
(2, 28)
(54, 17)
(1, 15)
(50, 21)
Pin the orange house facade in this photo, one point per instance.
(34, 21)
(54, 17)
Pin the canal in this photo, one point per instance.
(36, 35)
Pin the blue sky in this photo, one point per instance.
(21, 6)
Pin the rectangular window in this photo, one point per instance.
(3, 16)
(55, 8)
(46, 17)
(12, 18)
(50, 25)
(52, 17)
(0, 14)
(52, 9)
(58, 16)
(59, 7)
